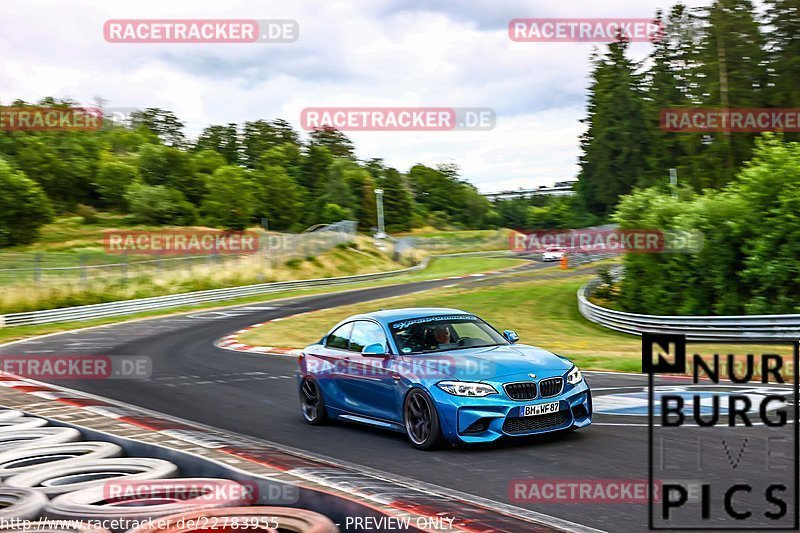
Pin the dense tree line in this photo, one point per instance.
(232, 176)
(749, 261)
(726, 55)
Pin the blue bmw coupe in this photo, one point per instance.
(439, 375)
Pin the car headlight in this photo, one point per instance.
(574, 376)
(465, 388)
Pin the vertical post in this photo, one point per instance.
(379, 195)
(673, 181)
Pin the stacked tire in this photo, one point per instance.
(50, 473)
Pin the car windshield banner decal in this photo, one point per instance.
(403, 324)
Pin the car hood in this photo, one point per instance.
(478, 364)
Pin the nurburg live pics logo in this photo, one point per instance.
(725, 447)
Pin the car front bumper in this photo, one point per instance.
(474, 420)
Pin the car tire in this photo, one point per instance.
(421, 420)
(312, 405)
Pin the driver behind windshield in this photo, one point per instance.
(438, 338)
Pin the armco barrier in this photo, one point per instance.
(127, 307)
(697, 328)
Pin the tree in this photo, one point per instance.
(751, 232)
(730, 72)
(24, 207)
(783, 45)
(334, 188)
(616, 143)
(397, 200)
(164, 124)
(114, 176)
(159, 204)
(207, 161)
(668, 84)
(280, 199)
(314, 166)
(260, 136)
(222, 139)
(230, 202)
(334, 140)
(165, 165)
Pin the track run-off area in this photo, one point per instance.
(256, 395)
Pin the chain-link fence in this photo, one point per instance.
(34, 268)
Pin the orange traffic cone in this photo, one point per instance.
(564, 262)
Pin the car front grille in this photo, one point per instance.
(525, 390)
(535, 423)
(550, 387)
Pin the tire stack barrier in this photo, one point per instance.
(153, 500)
(49, 473)
(20, 504)
(37, 437)
(72, 476)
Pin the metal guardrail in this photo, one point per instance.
(697, 328)
(127, 307)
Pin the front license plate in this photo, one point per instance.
(540, 409)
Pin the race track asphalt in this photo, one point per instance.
(256, 395)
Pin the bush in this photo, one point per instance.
(334, 213)
(231, 199)
(751, 231)
(159, 205)
(87, 213)
(113, 179)
(24, 207)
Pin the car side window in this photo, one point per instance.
(339, 337)
(366, 333)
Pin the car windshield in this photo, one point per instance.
(439, 333)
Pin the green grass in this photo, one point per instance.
(438, 266)
(543, 311)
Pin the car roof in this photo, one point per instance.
(390, 315)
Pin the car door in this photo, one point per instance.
(369, 381)
(329, 360)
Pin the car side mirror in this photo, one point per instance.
(511, 336)
(374, 350)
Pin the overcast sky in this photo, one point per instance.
(350, 53)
